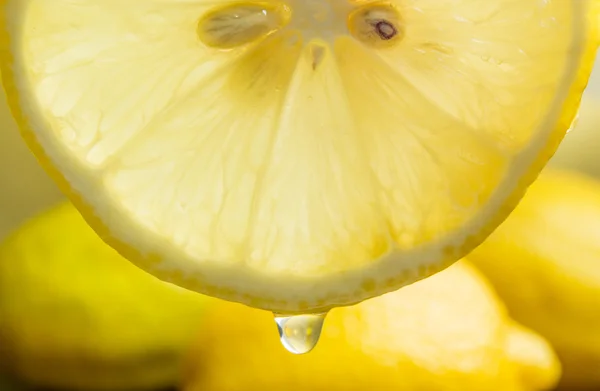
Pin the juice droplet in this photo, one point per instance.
(299, 334)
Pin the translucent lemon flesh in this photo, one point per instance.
(295, 155)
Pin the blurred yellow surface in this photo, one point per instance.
(24, 187)
(448, 332)
(75, 314)
(580, 150)
(545, 263)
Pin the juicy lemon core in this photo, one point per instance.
(295, 155)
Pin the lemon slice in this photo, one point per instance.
(297, 155)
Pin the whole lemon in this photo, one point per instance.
(545, 263)
(26, 190)
(74, 314)
(446, 333)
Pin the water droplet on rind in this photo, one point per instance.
(299, 334)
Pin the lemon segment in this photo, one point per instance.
(289, 160)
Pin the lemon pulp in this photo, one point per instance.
(295, 155)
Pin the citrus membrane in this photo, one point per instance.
(295, 155)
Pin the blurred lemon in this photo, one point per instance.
(448, 332)
(74, 314)
(545, 263)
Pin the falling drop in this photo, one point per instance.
(299, 334)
